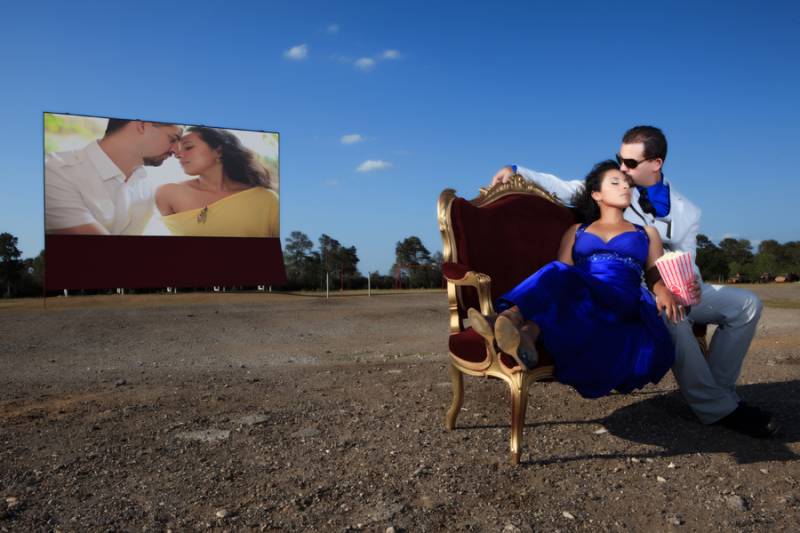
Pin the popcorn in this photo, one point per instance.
(677, 271)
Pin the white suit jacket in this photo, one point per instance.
(678, 230)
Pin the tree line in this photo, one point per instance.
(336, 265)
(733, 260)
(19, 277)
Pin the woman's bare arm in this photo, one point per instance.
(163, 199)
(665, 301)
(567, 242)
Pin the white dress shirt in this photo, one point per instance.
(85, 186)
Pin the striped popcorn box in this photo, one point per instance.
(677, 271)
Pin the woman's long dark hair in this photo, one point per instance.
(587, 209)
(238, 163)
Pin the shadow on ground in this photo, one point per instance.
(665, 421)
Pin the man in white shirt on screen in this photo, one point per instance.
(102, 188)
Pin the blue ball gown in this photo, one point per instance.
(597, 320)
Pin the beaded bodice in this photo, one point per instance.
(628, 249)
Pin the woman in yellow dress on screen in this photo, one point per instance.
(231, 195)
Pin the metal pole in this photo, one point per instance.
(327, 283)
(369, 284)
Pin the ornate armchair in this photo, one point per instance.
(491, 243)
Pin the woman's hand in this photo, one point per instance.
(665, 302)
(696, 292)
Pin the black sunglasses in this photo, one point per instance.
(632, 163)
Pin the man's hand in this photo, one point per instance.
(502, 176)
(695, 291)
(665, 303)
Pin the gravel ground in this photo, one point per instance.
(291, 413)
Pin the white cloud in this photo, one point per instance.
(391, 54)
(365, 63)
(352, 138)
(297, 53)
(373, 164)
(333, 28)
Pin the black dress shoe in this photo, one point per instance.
(757, 412)
(750, 421)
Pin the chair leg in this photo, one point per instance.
(458, 397)
(519, 404)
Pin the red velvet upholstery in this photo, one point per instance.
(454, 271)
(469, 346)
(509, 239)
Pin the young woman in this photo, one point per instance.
(601, 326)
(230, 196)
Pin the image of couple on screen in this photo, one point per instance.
(155, 178)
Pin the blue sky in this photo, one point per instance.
(465, 88)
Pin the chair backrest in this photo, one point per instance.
(509, 232)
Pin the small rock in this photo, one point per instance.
(764, 471)
(671, 465)
(660, 479)
(674, 520)
(120, 383)
(222, 513)
(419, 471)
(567, 514)
(736, 503)
(391, 529)
(511, 528)
(252, 420)
(306, 433)
(205, 435)
(600, 431)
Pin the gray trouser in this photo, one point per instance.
(709, 385)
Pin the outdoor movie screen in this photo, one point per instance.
(145, 193)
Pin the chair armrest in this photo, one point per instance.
(458, 275)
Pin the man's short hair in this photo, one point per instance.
(115, 124)
(655, 143)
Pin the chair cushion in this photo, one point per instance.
(468, 345)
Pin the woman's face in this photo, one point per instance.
(615, 190)
(196, 157)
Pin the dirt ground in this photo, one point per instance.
(296, 413)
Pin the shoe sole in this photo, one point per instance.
(480, 325)
(509, 339)
(507, 336)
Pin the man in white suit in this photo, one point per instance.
(709, 385)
